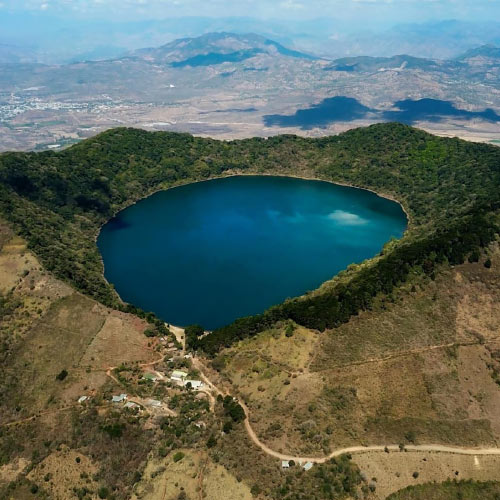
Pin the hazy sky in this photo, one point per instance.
(376, 12)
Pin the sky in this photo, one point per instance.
(372, 12)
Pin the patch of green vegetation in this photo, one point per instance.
(193, 333)
(58, 200)
(450, 490)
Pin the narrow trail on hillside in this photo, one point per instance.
(409, 352)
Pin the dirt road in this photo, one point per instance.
(436, 448)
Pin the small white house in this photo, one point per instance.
(119, 399)
(178, 375)
(307, 466)
(195, 384)
(82, 399)
(285, 464)
(154, 403)
(131, 405)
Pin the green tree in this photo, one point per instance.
(193, 334)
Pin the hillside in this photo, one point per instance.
(399, 62)
(485, 51)
(400, 349)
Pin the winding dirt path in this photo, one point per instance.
(434, 448)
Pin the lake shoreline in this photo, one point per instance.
(117, 276)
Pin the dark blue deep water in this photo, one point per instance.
(214, 251)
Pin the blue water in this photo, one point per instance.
(214, 251)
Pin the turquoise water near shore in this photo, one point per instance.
(213, 251)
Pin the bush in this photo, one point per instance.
(62, 375)
(103, 492)
(255, 490)
(114, 430)
(178, 456)
(233, 409)
(410, 436)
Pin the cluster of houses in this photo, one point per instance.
(122, 398)
(180, 378)
(286, 464)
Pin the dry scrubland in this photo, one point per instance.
(53, 328)
(49, 328)
(195, 474)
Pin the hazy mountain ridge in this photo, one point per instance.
(187, 49)
(488, 51)
(327, 37)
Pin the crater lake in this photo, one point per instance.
(213, 251)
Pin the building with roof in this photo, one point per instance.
(178, 375)
(195, 384)
(154, 403)
(119, 399)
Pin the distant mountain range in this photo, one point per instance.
(240, 85)
(228, 55)
(215, 48)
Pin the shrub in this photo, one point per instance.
(103, 492)
(114, 430)
(62, 375)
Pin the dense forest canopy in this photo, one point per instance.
(450, 189)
